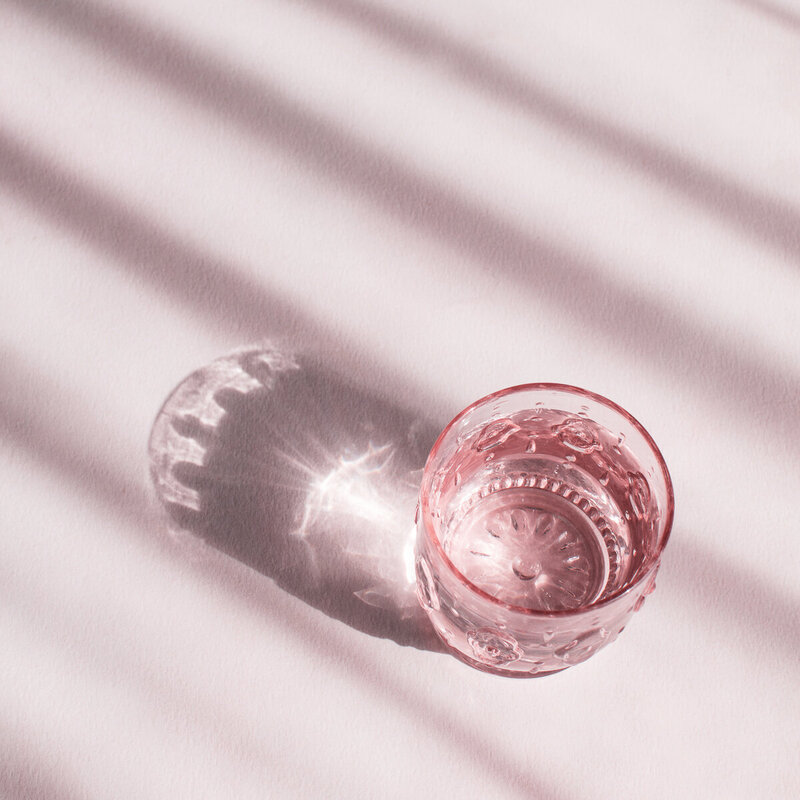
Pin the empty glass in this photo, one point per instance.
(543, 513)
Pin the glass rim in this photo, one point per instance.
(427, 479)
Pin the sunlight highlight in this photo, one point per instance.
(362, 506)
(354, 487)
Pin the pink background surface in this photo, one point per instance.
(434, 200)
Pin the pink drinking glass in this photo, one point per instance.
(543, 513)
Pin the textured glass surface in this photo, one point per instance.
(543, 513)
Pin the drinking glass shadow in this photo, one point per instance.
(312, 482)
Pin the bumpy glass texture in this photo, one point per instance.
(543, 513)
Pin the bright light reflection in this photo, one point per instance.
(356, 486)
(363, 506)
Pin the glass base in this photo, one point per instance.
(503, 673)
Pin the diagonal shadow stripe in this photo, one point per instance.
(25, 424)
(210, 286)
(513, 776)
(167, 262)
(105, 653)
(769, 219)
(774, 12)
(27, 775)
(734, 592)
(263, 109)
(644, 328)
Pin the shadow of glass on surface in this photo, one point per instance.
(303, 478)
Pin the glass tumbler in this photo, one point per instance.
(543, 513)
